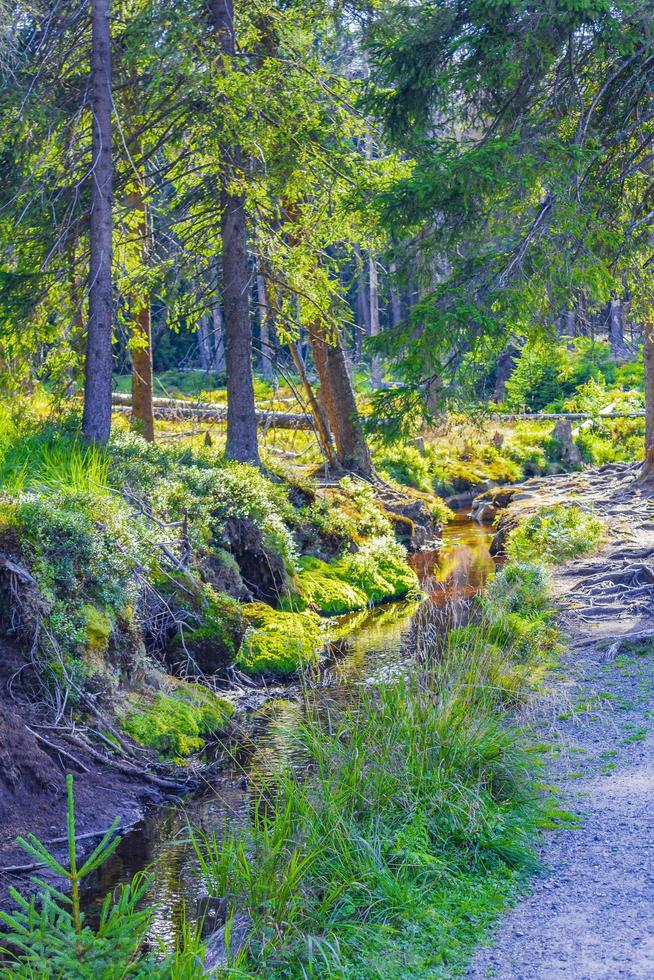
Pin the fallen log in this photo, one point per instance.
(265, 419)
(573, 416)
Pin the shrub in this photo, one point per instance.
(555, 534)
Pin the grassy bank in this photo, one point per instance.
(147, 571)
(414, 824)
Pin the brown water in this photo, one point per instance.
(377, 648)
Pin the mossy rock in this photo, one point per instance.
(175, 724)
(278, 643)
(323, 587)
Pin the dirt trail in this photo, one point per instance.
(591, 914)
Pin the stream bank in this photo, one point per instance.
(377, 648)
(590, 914)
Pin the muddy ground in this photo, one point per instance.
(33, 783)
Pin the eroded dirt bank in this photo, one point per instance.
(591, 913)
(33, 783)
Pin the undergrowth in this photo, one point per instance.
(414, 823)
(555, 534)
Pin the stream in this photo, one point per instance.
(375, 649)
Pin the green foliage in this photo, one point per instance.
(278, 643)
(377, 572)
(380, 570)
(555, 534)
(414, 823)
(535, 380)
(324, 587)
(175, 724)
(349, 512)
(199, 485)
(48, 937)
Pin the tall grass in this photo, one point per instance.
(409, 829)
(53, 460)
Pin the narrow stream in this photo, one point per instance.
(376, 648)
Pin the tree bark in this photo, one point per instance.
(142, 376)
(376, 366)
(96, 422)
(218, 336)
(242, 444)
(264, 324)
(616, 329)
(340, 405)
(204, 344)
(648, 358)
(320, 422)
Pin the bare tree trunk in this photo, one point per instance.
(340, 405)
(242, 441)
(322, 428)
(218, 335)
(616, 329)
(376, 369)
(648, 358)
(96, 423)
(264, 324)
(204, 344)
(396, 302)
(142, 376)
(363, 306)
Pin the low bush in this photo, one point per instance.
(555, 534)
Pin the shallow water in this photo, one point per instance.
(377, 648)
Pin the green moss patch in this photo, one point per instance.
(376, 573)
(278, 643)
(175, 724)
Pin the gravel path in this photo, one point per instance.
(591, 914)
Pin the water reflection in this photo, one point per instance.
(376, 649)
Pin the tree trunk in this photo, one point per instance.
(218, 337)
(264, 324)
(363, 306)
(242, 442)
(322, 428)
(204, 344)
(376, 368)
(616, 330)
(648, 358)
(396, 301)
(96, 423)
(340, 405)
(142, 379)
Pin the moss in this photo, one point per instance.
(215, 642)
(278, 643)
(376, 573)
(175, 724)
(380, 570)
(323, 587)
(99, 625)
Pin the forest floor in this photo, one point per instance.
(590, 914)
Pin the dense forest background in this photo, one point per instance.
(411, 196)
